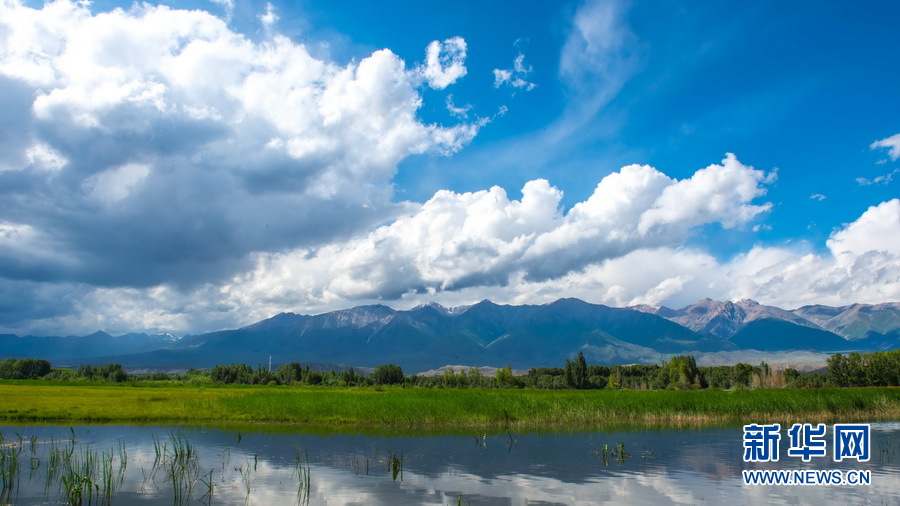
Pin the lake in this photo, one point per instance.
(267, 465)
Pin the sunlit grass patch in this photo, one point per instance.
(435, 408)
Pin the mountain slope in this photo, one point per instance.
(768, 334)
(488, 334)
(725, 319)
(856, 321)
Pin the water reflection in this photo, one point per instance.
(651, 467)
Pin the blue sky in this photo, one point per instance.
(190, 166)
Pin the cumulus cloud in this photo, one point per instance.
(444, 62)
(878, 230)
(459, 248)
(614, 248)
(160, 171)
(892, 144)
(459, 240)
(158, 146)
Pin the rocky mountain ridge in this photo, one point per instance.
(430, 336)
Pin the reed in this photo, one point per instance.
(180, 461)
(9, 472)
(301, 470)
(76, 474)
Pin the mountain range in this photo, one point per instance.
(431, 336)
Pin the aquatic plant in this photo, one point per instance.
(9, 472)
(245, 475)
(182, 467)
(86, 474)
(617, 452)
(395, 465)
(77, 487)
(302, 470)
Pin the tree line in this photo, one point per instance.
(679, 372)
(877, 369)
(37, 368)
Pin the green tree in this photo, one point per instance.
(234, 373)
(576, 372)
(388, 374)
(506, 378)
(26, 368)
(838, 368)
(683, 372)
(289, 373)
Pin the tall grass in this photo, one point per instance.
(179, 460)
(85, 474)
(302, 470)
(76, 474)
(454, 409)
(543, 408)
(9, 471)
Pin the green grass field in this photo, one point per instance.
(34, 401)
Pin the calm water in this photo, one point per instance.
(659, 467)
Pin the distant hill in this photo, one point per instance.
(75, 347)
(857, 321)
(725, 319)
(487, 334)
(769, 334)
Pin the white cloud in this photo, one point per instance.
(228, 6)
(514, 77)
(171, 173)
(483, 239)
(817, 196)
(458, 248)
(598, 56)
(878, 229)
(210, 145)
(40, 157)
(862, 265)
(703, 197)
(269, 19)
(114, 185)
(883, 179)
(444, 62)
(892, 144)
(454, 110)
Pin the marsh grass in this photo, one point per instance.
(532, 409)
(442, 409)
(180, 463)
(85, 474)
(77, 474)
(302, 470)
(9, 472)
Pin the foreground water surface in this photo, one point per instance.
(157, 464)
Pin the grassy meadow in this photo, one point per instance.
(423, 408)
